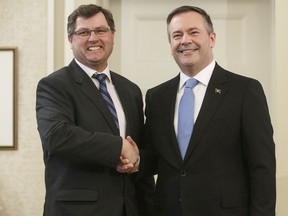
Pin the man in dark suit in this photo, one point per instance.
(84, 135)
(228, 168)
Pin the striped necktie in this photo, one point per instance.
(106, 96)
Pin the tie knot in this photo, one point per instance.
(100, 77)
(191, 83)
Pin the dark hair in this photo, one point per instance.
(187, 8)
(87, 11)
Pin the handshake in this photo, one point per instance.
(130, 158)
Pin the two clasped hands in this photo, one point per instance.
(130, 158)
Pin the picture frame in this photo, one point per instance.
(8, 99)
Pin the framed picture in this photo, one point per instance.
(8, 136)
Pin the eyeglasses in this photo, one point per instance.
(100, 31)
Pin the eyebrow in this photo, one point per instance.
(84, 28)
(190, 29)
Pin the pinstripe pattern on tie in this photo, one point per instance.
(106, 96)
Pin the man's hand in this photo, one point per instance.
(129, 160)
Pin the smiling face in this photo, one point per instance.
(190, 42)
(92, 51)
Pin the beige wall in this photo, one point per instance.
(24, 24)
(280, 125)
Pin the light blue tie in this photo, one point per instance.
(106, 96)
(186, 116)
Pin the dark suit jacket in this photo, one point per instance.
(229, 167)
(82, 146)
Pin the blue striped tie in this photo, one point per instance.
(106, 96)
(186, 116)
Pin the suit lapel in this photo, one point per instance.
(168, 101)
(90, 90)
(215, 92)
(124, 100)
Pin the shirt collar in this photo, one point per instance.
(90, 71)
(203, 76)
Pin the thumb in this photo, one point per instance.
(131, 141)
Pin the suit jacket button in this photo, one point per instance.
(183, 173)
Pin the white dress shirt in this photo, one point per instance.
(113, 93)
(199, 91)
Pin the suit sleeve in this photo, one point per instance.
(259, 151)
(62, 137)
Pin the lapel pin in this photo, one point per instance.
(217, 91)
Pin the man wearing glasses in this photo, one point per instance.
(86, 115)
